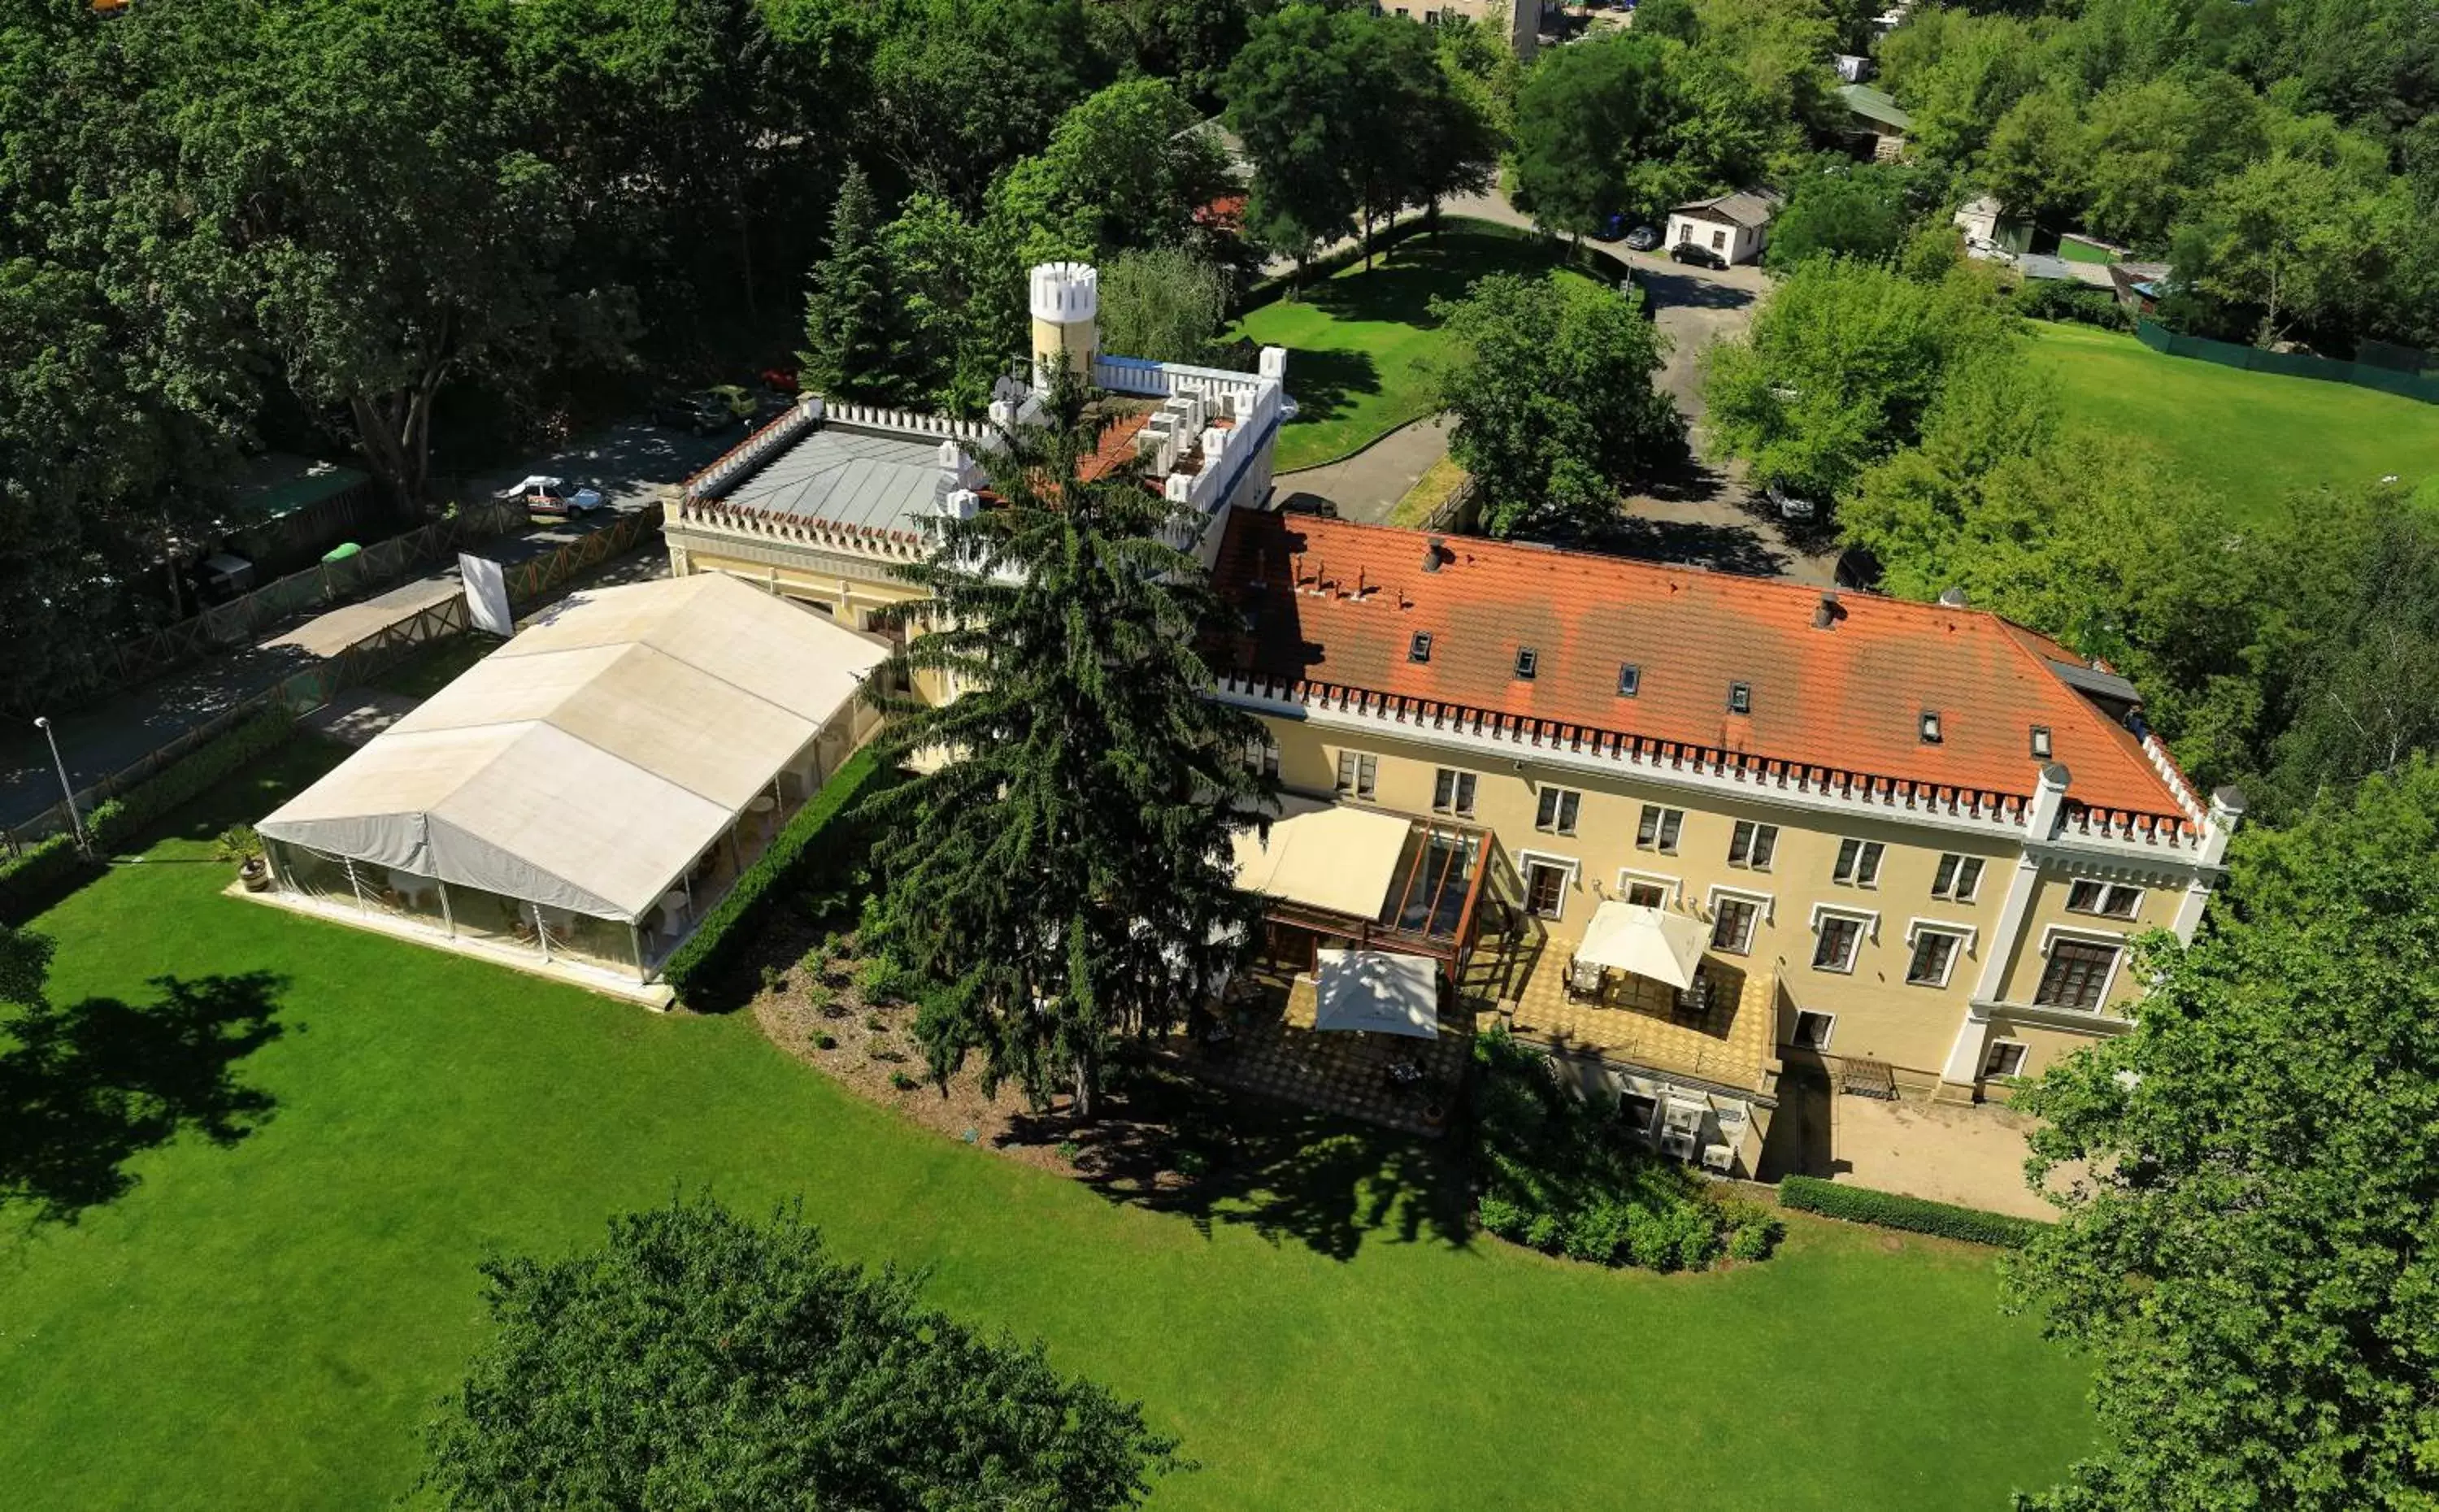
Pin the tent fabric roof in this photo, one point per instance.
(1647, 941)
(1325, 857)
(587, 762)
(1377, 991)
(1876, 104)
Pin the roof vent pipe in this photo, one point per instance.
(1826, 614)
(1953, 598)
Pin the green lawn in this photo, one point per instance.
(2252, 436)
(262, 1323)
(1358, 343)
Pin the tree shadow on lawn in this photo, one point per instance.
(1171, 1143)
(1401, 290)
(85, 1086)
(1327, 382)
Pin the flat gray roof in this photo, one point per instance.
(850, 477)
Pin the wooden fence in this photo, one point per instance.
(243, 621)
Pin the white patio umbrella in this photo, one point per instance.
(1378, 991)
(1647, 941)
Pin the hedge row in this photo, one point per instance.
(721, 933)
(1892, 1210)
(48, 870)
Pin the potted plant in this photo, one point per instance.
(241, 845)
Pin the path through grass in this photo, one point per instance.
(262, 1325)
(2252, 437)
(1358, 344)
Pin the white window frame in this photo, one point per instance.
(1559, 810)
(1354, 787)
(1662, 842)
(1672, 888)
(2142, 895)
(2023, 1054)
(1765, 907)
(1980, 867)
(2056, 933)
(1463, 784)
(1862, 847)
(1527, 860)
(1827, 1039)
(1758, 827)
(1868, 935)
(1965, 935)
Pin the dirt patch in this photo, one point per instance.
(820, 1012)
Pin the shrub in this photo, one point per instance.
(1069, 1150)
(826, 1040)
(1560, 1174)
(1501, 1217)
(1754, 1241)
(1192, 1162)
(2054, 299)
(901, 1081)
(716, 941)
(237, 843)
(1892, 1209)
(875, 1022)
(39, 875)
(774, 977)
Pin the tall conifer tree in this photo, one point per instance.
(1062, 879)
(854, 345)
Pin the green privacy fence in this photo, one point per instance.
(2387, 378)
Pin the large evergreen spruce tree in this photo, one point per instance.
(1063, 878)
(854, 345)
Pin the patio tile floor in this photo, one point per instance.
(1729, 1042)
(1274, 1050)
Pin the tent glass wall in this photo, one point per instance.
(313, 874)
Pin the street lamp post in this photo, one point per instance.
(67, 790)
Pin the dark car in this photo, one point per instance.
(1699, 255)
(1642, 238)
(1611, 229)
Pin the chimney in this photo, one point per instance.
(1826, 614)
(2226, 813)
(1431, 555)
(2049, 801)
(1953, 598)
(1066, 303)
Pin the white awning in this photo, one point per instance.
(1647, 941)
(1378, 991)
(589, 760)
(1325, 857)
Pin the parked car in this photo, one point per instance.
(1699, 255)
(1642, 238)
(1787, 504)
(1611, 229)
(706, 411)
(556, 496)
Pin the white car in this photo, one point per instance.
(1788, 506)
(556, 496)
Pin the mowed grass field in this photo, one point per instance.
(1360, 344)
(263, 1324)
(2253, 437)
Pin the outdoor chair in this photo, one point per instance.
(1584, 981)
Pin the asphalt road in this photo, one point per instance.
(633, 463)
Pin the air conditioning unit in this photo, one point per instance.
(1681, 1132)
(1718, 1158)
(1678, 1144)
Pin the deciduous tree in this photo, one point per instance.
(2246, 1254)
(699, 1362)
(1585, 117)
(1552, 394)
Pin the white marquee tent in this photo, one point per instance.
(593, 760)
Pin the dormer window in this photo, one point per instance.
(1419, 649)
(1739, 698)
(2040, 743)
(1930, 726)
(1630, 680)
(1527, 663)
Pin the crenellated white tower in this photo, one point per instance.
(1066, 300)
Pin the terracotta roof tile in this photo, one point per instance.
(1339, 603)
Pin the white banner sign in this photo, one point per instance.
(486, 593)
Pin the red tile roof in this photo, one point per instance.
(1338, 605)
